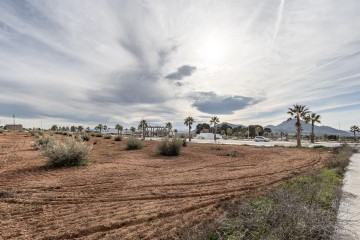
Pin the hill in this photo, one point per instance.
(289, 126)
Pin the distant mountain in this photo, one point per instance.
(289, 126)
(230, 124)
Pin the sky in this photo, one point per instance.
(69, 62)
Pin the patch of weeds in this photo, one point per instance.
(216, 148)
(303, 208)
(232, 154)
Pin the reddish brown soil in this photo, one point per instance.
(133, 194)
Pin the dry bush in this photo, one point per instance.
(170, 147)
(85, 137)
(98, 135)
(66, 154)
(107, 137)
(132, 143)
(341, 158)
(43, 142)
(118, 138)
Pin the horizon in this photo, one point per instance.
(83, 63)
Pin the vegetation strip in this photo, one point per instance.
(303, 208)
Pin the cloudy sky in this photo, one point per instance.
(87, 62)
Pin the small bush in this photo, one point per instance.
(98, 135)
(118, 138)
(318, 146)
(70, 153)
(64, 133)
(43, 142)
(69, 134)
(85, 137)
(92, 134)
(1, 130)
(170, 147)
(107, 137)
(132, 143)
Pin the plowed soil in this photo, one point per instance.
(134, 194)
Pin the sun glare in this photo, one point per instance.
(213, 49)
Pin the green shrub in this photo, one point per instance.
(43, 142)
(98, 135)
(132, 143)
(64, 133)
(85, 137)
(169, 147)
(107, 137)
(67, 154)
(92, 134)
(1, 130)
(118, 138)
(69, 134)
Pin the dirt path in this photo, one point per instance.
(133, 194)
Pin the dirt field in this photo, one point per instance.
(133, 194)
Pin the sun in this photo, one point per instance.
(213, 49)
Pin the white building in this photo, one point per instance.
(208, 136)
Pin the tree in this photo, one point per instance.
(312, 118)
(99, 127)
(119, 128)
(88, 129)
(214, 120)
(132, 129)
(267, 131)
(80, 128)
(168, 126)
(229, 131)
(105, 128)
(298, 112)
(54, 128)
(188, 122)
(201, 127)
(143, 125)
(258, 131)
(73, 129)
(354, 129)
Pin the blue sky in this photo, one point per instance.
(88, 62)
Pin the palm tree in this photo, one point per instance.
(100, 127)
(168, 126)
(312, 118)
(354, 129)
(188, 122)
(214, 120)
(80, 128)
(132, 129)
(119, 128)
(143, 125)
(298, 112)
